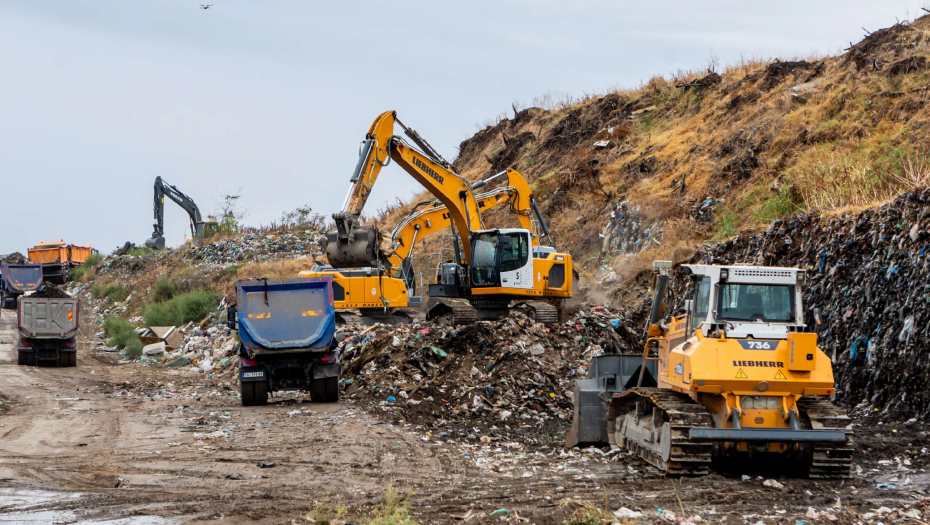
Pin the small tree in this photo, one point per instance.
(303, 218)
(228, 215)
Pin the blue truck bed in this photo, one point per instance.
(16, 279)
(286, 314)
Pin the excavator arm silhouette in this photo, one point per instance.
(162, 190)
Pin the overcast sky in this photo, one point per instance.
(273, 96)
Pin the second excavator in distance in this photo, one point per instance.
(492, 270)
(200, 229)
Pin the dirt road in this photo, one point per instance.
(108, 441)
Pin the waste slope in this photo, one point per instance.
(509, 379)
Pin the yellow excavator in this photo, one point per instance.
(380, 295)
(737, 374)
(492, 269)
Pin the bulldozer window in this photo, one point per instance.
(701, 302)
(756, 302)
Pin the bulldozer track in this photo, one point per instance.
(828, 460)
(686, 458)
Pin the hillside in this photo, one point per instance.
(653, 172)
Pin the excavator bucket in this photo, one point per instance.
(608, 374)
(356, 248)
(157, 243)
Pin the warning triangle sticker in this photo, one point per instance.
(741, 374)
(780, 375)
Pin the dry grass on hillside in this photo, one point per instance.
(769, 138)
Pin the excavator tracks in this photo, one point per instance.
(451, 311)
(828, 460)
(655, 425)
(540, 311)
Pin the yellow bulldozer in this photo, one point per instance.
(738, 373)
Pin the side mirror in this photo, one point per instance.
(231, 313)
(817, 315)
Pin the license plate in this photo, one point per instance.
(253, 374)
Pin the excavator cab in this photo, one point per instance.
(502, 258)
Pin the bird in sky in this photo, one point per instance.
(206, 6)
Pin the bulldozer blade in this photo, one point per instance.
(607, 374)
(356, 250)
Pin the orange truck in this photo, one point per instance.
(58, 257)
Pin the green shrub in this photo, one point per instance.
(139, 252)
(780, 205)
(113, 291)
(92, 260)
(165, 290)
(122, 334)
(184, 308)
(77, 274)
(727, 225)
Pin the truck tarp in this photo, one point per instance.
(286, 314)
(48, 318)
(22, 277)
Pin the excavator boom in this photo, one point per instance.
(352, 245)
(434, 217)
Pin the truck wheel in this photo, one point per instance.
(72, 358)
(22, 358)
(331, 390)
(62, 359)
(261, 392)
(30, 359)
(317, 391)
(247, 391)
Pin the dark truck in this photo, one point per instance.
(48, 324)
(17, 279)
(286, 328)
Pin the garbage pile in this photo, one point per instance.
(625, 231)
(868, 276)
(14, 258)
(257, 247)
(704, 212)
(509, 379)
(50, 291)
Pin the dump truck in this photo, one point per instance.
(53, 256)
(18, 279)
(48, 325)
(286, 328)
(737, 376)
(78, 253)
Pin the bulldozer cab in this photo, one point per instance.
(756, 302)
